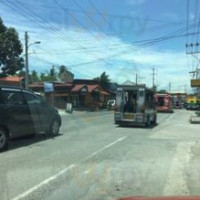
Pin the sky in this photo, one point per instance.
(116, 36)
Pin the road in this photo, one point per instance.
(94, 159)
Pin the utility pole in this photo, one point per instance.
(26, 61)
(153, 74)
(153, 78)
(170, 87)
(27, 45)
(136, 79)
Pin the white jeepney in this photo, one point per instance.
(135, 105)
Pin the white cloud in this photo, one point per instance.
(71, 47)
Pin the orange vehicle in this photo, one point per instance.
(164, 102)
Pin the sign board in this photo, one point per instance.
(69, 108)
(195, 83)
(48, 87)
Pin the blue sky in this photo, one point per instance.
(92, 36)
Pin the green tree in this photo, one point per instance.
(104, 80)
(52, 74)
(62, 69)
(43, 77)
(10, 51)
(162, 91)
(49, 76)
(34, 76)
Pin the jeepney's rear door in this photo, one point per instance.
(140, 100)
(120, 99)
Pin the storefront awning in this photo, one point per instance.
(105, 93)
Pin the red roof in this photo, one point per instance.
(77, 88)
(92, 87)
(12, 78)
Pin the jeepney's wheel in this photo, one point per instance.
(148, 123)
(154, 122)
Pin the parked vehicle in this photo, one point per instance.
(178, 104)
(164, 102)
(135, 106)
(23, 113)
(111, 104)
(193, 103)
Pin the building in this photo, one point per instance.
(82, 93)
(12, 81)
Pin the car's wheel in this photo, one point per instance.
(3, 140)
(54, 127)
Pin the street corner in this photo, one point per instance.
(195, 118)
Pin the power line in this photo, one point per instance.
(69, 38)
(152, 42)
(142, 42)
(101, 15)
(85, 28)
(116, 54)
(44, 27)
(106, 14)
(89, 16)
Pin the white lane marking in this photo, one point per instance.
(104, 148)
(100, 116)
(176, 183)
(45, 182)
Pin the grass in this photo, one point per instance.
(197, 113)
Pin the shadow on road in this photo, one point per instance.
(29, 140)
(137, 127)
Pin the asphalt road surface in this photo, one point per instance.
(94, 159)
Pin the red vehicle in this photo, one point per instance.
(164, 102)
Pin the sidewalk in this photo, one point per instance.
(62, 112)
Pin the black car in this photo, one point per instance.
(23, 113)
